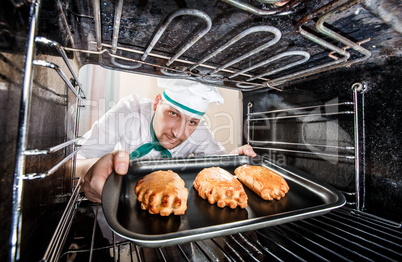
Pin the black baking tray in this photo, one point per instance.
(307, 197)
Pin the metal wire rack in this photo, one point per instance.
(344, 234)
(354, 154)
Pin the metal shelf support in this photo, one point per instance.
(359, 183)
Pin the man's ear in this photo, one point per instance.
(158, 98)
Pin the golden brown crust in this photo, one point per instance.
(162, 192)
(266, 183)
(220, 187)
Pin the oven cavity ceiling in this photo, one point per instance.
(238, 44)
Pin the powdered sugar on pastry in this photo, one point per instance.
(266, 183)
(219, 186)
(162, 192)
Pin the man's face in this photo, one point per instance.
(171, 126)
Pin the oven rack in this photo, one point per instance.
(59, 237)
(343, 234)
(253, 117)
(80, 96)
(219, 74)
(22, 140)
(355, 149)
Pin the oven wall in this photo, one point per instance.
(51, 122)
(12, 39)
(380, 136)
(10, 92)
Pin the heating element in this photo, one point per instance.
(247, 77)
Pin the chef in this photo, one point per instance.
(169, 126)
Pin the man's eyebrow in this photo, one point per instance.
(171, 108)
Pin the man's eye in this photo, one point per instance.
(172, 113)
(193, 123)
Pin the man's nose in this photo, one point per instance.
(179, 129)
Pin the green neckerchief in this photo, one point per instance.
(146, 148)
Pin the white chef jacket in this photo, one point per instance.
(127, 126)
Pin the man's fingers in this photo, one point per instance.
(91, 194)
(97, 175)
(121, 160)
(248, 150)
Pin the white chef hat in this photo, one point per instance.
(188, 96)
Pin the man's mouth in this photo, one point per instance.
(172, 140)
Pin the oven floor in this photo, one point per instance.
(342, 235)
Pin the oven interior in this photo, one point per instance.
(320, 82)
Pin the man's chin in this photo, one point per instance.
(169, 145)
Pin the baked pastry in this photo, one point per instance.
(220, 187)
(162, 192)
(266, 183)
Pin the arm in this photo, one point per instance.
(112, 128)
(94, 172)
(95, 162)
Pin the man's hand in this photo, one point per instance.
(96, 176)
(244, 150)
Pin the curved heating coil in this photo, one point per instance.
(306, 56)
(262, 28)
(166, 23)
